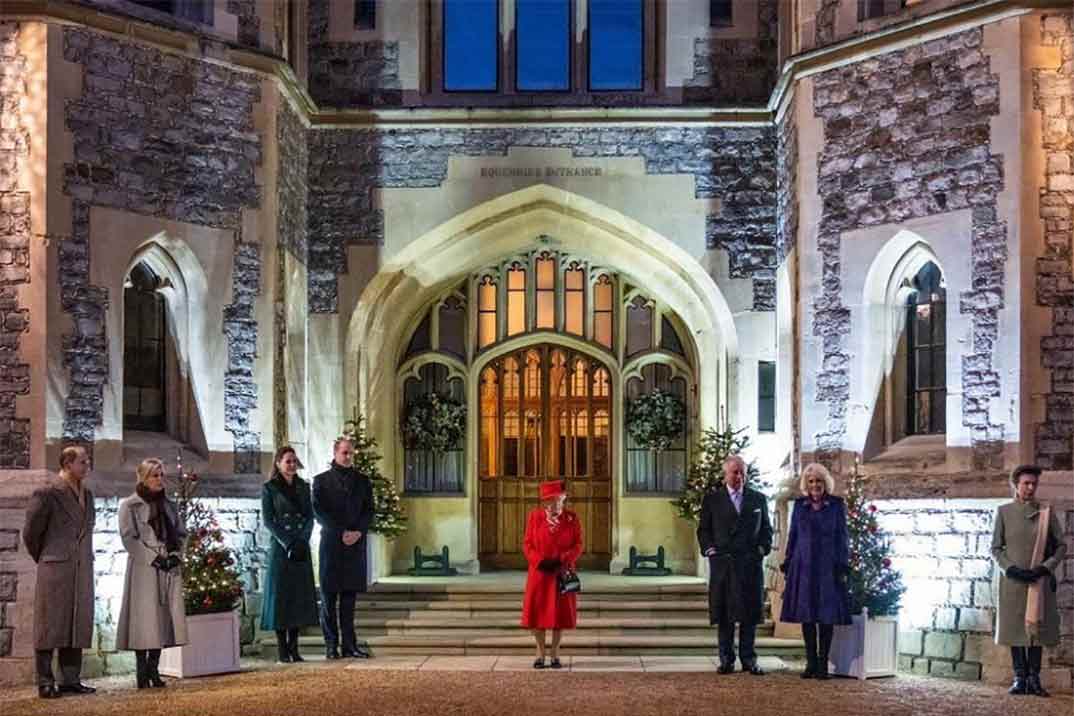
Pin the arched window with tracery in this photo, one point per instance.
(427, 470)
(926, 336)
(653, 471)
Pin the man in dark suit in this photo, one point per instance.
(735, 534)
(59, 537)
(343, 505)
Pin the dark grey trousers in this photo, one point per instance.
(70, 666)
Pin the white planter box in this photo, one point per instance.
(213, 647)
(865, 649)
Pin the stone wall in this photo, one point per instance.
(787, 180)
(292, 179)
(1053, 96)
(244, 532)
(907, 135)
(15, 147)
(349, 74)
(736, 71)
(943, 550)
(162, 135)
(734, 165)
(245, 12)
(249, 22)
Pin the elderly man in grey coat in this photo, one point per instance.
(1028, 546)
(59, 537)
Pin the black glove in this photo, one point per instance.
(172, 562)
(1040, 571)
(783, 565)
(548, 566)
(1017, 573)
(298, 552)
(160, 562)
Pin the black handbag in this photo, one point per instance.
(569, 583)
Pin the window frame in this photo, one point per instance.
(498, 88)
(572, 18)
(761, 398)
(913, 388)
(643, 47)
(679, 369)
(411, 370)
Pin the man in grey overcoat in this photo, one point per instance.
(59, 537)
(1013, 540)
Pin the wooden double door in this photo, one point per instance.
(545, 414)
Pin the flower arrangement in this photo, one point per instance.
(211, 580)
(706, 472)
(872, 582)
(656, 420)
(435, 422)
(389, 518)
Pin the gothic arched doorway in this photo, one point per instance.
(545, 413)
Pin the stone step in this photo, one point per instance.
(586, 604)
(500, 592)
(573, 644)
(510, 620)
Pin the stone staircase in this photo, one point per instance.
(616, 616)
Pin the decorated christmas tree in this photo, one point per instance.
(872, 582)
(210, 578)
(706, 473)
(389, 519)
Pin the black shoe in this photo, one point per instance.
(556, 663)
(538, 663)
(1018, 688)
(725, 667)
(292, 649)
(1034, 687)
(822, 673)
(141, 673)
(753, 669)
(810, 669)
(76, 689)
(47, 691)
(331, 654)
(356, 653)
(155, 681)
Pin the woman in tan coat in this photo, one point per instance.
(1028, 546)
(153, 616)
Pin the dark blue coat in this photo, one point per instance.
(817, 556)
(342, 501)
(290, 597)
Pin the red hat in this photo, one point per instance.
(552, 489)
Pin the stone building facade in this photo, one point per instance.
(320, 212)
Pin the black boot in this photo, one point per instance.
(152, 665)
(283, 651)
(1018, 661)
(141, 673)
(1033, 685)
(809, 634)
(827, 631)
(292, 645)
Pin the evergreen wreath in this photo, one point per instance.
(656, 420)
(211, 580)
(706, 472)
(435, 422)
(389, 517)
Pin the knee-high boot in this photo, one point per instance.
(809, 634)
(1033, 685)
(141, 673)
(292, 645)
(283, 651)
(1018, 663)
(152, 662)
(827, 631)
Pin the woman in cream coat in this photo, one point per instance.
(153, 616)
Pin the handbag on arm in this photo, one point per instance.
(569, 582)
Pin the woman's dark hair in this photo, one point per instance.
(279, 456)
(1017, 473)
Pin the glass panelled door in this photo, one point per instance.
(545, 413)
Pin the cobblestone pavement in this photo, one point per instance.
(491, 685)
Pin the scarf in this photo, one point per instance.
(158, 517)
(1035, 592)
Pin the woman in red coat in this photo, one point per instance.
(553, 543)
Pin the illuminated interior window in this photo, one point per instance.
(486, 312)
(600, 384)
(578, 378)
(600, 424)
(574, 300)
(546, 292)
(602, 311)
(533, 375)
(490, 437)
(516, 300)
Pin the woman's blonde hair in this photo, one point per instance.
(146, 467)
(816, 467)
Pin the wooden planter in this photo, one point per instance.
(865, 649)
(213, 647)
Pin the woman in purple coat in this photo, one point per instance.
(816, 567)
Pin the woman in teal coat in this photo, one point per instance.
(290, 598)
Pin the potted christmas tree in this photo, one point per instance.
(211, 589)
(868, 647)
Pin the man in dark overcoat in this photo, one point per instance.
(343, 505)
(735, 535)
(59, 537)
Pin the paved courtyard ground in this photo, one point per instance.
(506, 685)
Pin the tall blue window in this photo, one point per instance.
(615, 44)
(543, 44)
(471, 45)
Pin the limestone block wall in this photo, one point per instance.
(351, 72)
